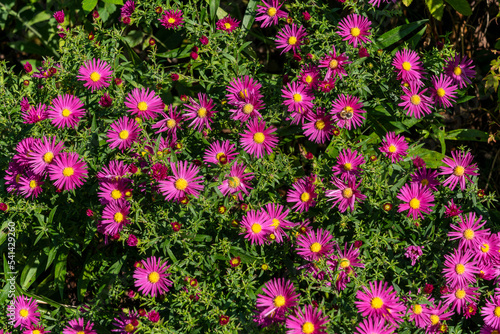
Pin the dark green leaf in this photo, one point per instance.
(436, 8)
(461, 6)
(398, 33)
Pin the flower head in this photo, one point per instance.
(200, 112)
(394, 146)
(416, 199)
(491, 312)
(459, 269)
(96, 74)
(115, 216)
(66, 111)
(172, 19)
(227, 24)
(346, 111)
(379, 302)
(279, 296)
(306, 320)
(408, 65)
(443, 91)
(143, 103)
(320, 127)
(460, 70)
(257, 140)
(313, 245)
(346, 195)
(237, 181)
(270, 13)
(256, 227)
(373, 326)
(415, 102)
(77, 326)
(184, 182)
(67, 171)
(309, 76)
(151, 279)
(355, 29)
(290, 38)
(240, 89)
(298, 98)
(170, 123)
(302, 194)
(35, 114)
(426, 177)
(220, 153)
(334, 64)
(348, 163)
(459, 168)
(25, 312)
(44, 152)
(123, 133)
(413, 253)
(468, 231)
(277, 215)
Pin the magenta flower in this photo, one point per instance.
(458, 270)
(30, 185)
(298, 98)
(308, 320)
(487, 249)
(237, 181)
(314, 246)
(59, 16)
(334, 64)
(302, 194)
(257, 139)
(426, 177)
(67, 171)
(348, 163)
(143, 103)
(355, 29)
(220, 153)
(394, 146)
(43, 154)
(112, 191)
(270, 13)
(380, 302)
(35, 114)
(278, 220)
(443, 91)
(413, 253)
(346, 194)
(247, 109)
(452, 210)
(290, 38)
(347, 260)
(346, 111)
(320, 128)
(97, 75)
(468, 232)
(416, 199)
(408, 65)
(200, 112)
(459, 168)
(184, 182)
(373, 326)
(491, 312)
(127, 9)
(123, 133)
(242, 88)
(227, 24)
(437, 315)
(415, 103)
(127, 323)
(309, 76)
(76, 326)
(152, 279)
(170, 123)
(256, 226)
(279, 296)
(66, 111)
(460, 70)
(25, 311)
(172, 19)
(115, 216)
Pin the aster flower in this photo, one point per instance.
(237, 181)
(379, 302)
(30, 185)
(314, 246)
(408, 65)
(373, 326)
(415, 102)
(227, 24)
(257, 139)
(413, 253)
(13, 176)
(416, 199)
(35, 114)
(355, 29)
(96, 74)
(279, 296)
(459, 167)
(302, 194)
(270, 13)
(460, 70)
(298, 98)
(348, 163)
(278, 220)
(346, 111)
(66, 111)
(247, 109)
(326, 86)
(418, 314)
(320, 127)
(437, 314)
(143, 103)
(290, 38)
(33, 329)
(24, 151)
(468, 231)
(43, 154)
(486, 249)
(220, 153)
(242, 88)
(346, 195)
(151, 279)
(67, 171)
(170, 123)
(172, 19)
(491, 312)
(443, 91)
(127, 323)
(200, 112)
(309, 76)
(76, 326)
(394, 146)
(25, 311)
(307, 320)
(115, 216)
(25, 104)
(334, 64)
(488, 330)
(426, 177)
(256, 226)
(459, 269)
(347, 260)
(114, 171)
(127, 9)
(460, 296)
(184, 182)
(59, 16)
(123, 133)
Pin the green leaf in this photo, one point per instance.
(214, 5)
(115, 2)
(60, 272)
(465, 99)
(432, 159)
(461, 6)
(249, 15)
(40, 17)
(467, 134)
(398, 33)
(436, 8)
(89, 5)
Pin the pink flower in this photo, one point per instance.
(25, 311)
(355, 29)
(426, 177)
(106, 101)
(270, 13)
(320, 128)
(371, 326)
(172, 19)
(290, 38)
(415, 102)
(66, 111)
(346, 195)
(143, 103)
(346, 111)
(314, 246)
(200, 112)
(170, 123)
(307, 320)
(59, 16)
(491, 312)
(279, 296)
(380, 302)
(184, 182)
(452, 210)
(394, 146)
(460, 70)
(227, 24)
(97, 75)
(416, 199)
(123, 133)
(220, 153)
(240, 89)
(302, 194)
(459, 270)
(257, 139)
(115, 216)
(256, 227)
(309, 76)
(204, 40)
(67, 171)
(298, 98)
(278, 220)
(459, 168)
(443, 91)
(236, 182)
(152, 278)
(43, 154)
(468, 232)
(413, 253)
(76, 326)
(348, 163)
(132, 240)
(153, 316)
(408, 65)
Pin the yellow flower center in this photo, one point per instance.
(171, 123)
(417, 309)
(485, 248)
(347, 193)
(116, 194)
(123, 134)
(347, 166)
(259, 137)
(142, 106)
(406, 66)
(414, 203)
(36, 331)
(292, 40)
(18, 176)
(129, 328)
(94, 76)
(320, 124)
(80, 332)
(219, 156)
(315, 247)
(234, 182)
(24, 313)
(202, 112)
(460, 294)
(171, 20)
(344, 263)
(271, 11)
(460, 269)
(424, 182)
(377, 303)
(33, 184)
(153, 277)
(494, 331)
(441, 92)
(308, 327)
(297, 97)
(279, 301)
(415, 100)
(457, 70)
(459, 171)
(181, 184)
(497, 311)
(468, 234)
(305, 197)
(118, 217)
(227, 25)
(66, 112)
(355, 32)
(47, 157)
(248, 108)
(434, 319)
(309, 79)
(242, 94)
(256, 228)
(68, 171)
(392, 149)
(276, 223)
(333, 64)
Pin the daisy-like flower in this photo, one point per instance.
(302, 194)
(347, 259)
(444, 92)
(184, 182)
(417, 199)
(256, 226)
(415, 102)
(313, 246)
(408, 65)
(127, 9)
(247, 109)
(278, 220)
(298, 98)
(270, 13)
(123, 133)
(394, 146)
(309, 76)
(320, 129)
(34, 329)
(413, 253)
(35, 114)
(237, 181)
(257, 140)
(426, 177)
(418, 314)
(459, 297)
(468, 232)
(373, 326)
(290, 38)
(335, 64)
(491, 312)
(172, 19)
(66, 111)
(77, 326)
(115, 217)
(279, 296)
(452, 210)
(242, 88)
(346, 195)
(151, 279)
(459, 270)
(348, 163)
(44, 153)
(459, 167)
(170, 123)
(346, 111)
(96, 74)
(67, 171)
(127, 323)
(111, 191)
(30, 185)
(24, 151)
(437, 315)
(487, 249)
(309, 320)
(355, 29)
(25, 312)
(220, 153)
(200, 112)
(227, 24)
(380, 302)
(143, 103)
(13, 176)
(326, 86)
(460, 70)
